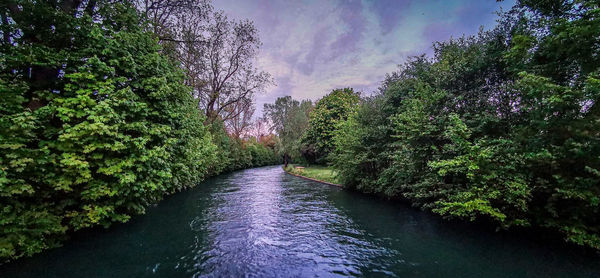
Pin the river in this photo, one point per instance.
(263, 222)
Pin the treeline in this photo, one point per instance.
(307, 131)
(501, 127)
(104, 109)
(234, 153)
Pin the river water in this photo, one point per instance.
(263, 222)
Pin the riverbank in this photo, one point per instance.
(322, 174)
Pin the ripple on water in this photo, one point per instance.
(264, 223)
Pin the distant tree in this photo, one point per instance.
(240, 120)
(289, 120)
(260, 128)
(271, 140)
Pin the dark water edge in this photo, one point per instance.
(532, 235)
(264, 223)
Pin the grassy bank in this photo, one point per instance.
(321, 173)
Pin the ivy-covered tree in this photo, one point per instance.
(95, 124)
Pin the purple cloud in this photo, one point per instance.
(317, 49)
(389, 13)
(313, 46)
(351, 15)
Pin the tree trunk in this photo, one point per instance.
(286, 160)
(210, 110)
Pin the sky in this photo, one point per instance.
(313, 47)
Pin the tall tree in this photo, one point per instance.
(289, 119)
(230, 75)
(329, 111)
(239, 121)
(217, 54)
(171, 19)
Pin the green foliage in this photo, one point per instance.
(290, 120)
(234, 154)
(360, 147)
(324, 120)
(503, 126)
(95, 125)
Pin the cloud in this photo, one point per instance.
(311, 47)
(389, 13)
(351, 17)
(315, 52)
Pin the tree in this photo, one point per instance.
(289, 120)
(217, 54)
(229, 75)
(260, 128)
(173, 20)
(554, 53)
(329, 111)
(240, 120)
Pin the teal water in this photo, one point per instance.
(264, 223)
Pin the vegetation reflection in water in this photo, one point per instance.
(264, 222)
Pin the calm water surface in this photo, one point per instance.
(264, 223)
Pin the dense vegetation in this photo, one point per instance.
(96, 122)
(306, 131)
(235, 154)
(503, 126)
